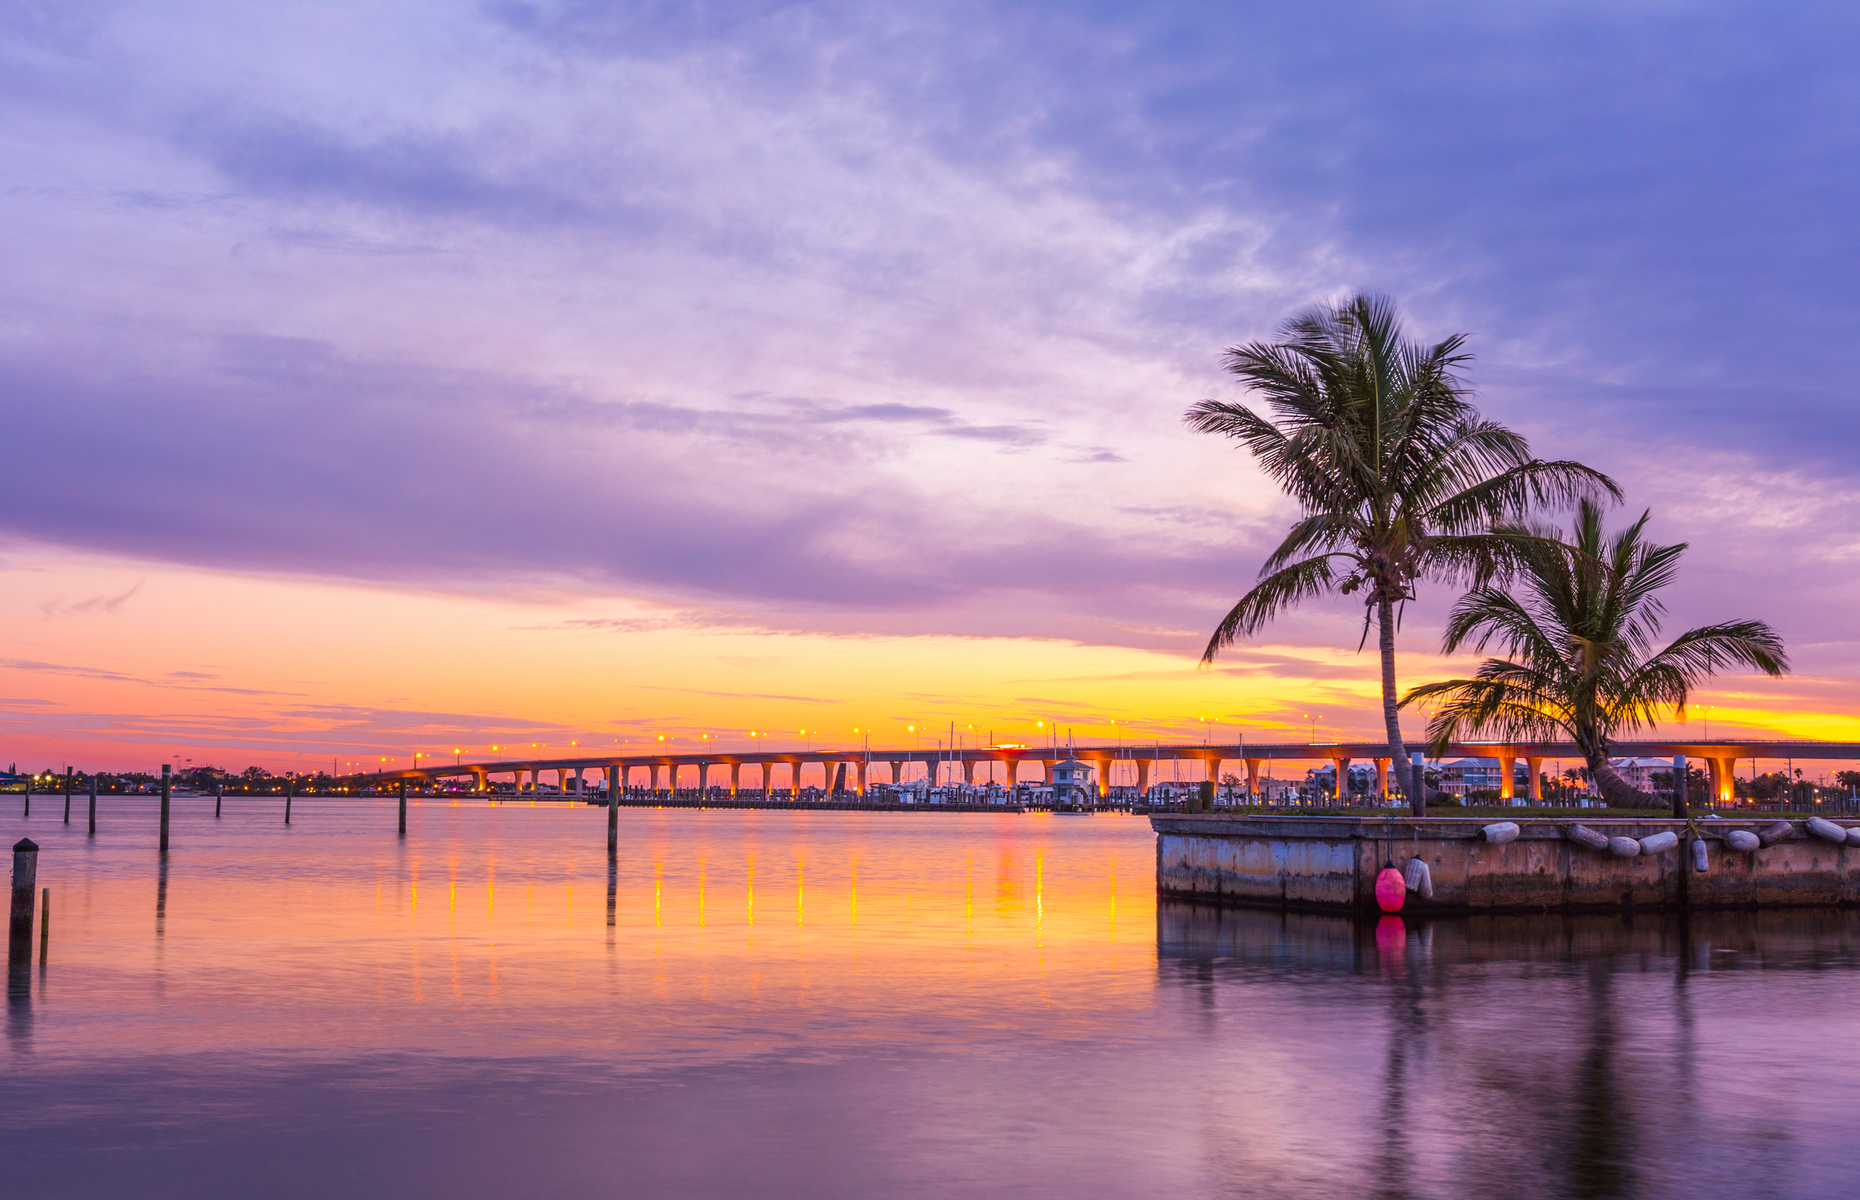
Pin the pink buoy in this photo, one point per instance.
(1391, 890)
(1391, 935)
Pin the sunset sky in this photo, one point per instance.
(402, 376)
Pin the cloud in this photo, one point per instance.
(20, 664)
(102, 604)
(653, 687)
(428, 175)
(755, 311)
(178, 680)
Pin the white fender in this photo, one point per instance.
(1701, 861)
(1826, 830)
(1420, 879)
(1781, 831)
(1623, 847)
(1659, 843)
(1742, 839)
(1504, 831)
(1582, 835)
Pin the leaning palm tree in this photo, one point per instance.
(1398, 477)
(1578, 626)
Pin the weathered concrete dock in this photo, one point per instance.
(1329, 864)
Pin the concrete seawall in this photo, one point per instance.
(1330, 864)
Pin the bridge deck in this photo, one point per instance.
(1260, 752)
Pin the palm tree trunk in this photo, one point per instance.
(1411, 781)
(1616, 791)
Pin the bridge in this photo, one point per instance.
(1134, 763)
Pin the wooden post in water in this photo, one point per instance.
(403, 808)
(165, 781)
(25, 877)
(613, 814)
(28, 793)
(45, 928)
(93, 805)
(68, 782)
(219, 797)
(290, 789)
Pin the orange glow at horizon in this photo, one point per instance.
(304, 675)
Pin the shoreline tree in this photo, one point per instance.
(1398, 477)
(1577, 626)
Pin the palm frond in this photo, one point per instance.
(1525, 487)
(1271, 596)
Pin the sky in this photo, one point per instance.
(408, 377)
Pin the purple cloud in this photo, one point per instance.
(856, 318)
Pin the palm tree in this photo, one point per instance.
(1578, 627)
(1398, 477)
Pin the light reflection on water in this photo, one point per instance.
(850, 1004)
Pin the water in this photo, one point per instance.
(871, 1004)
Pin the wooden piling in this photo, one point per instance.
(219, 796)
(403, 808)
(28, 795)
(25, 879)
(45, 926)
(290, 789)
(93, 805)
(166, 780)
(68, 782)
(613, 815)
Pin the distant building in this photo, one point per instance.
(1071, 782)
(1460, 776)
(1639, 772)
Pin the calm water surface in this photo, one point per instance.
(861, 1004)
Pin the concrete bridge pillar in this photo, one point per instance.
(897, 769)
(1143, 776)
(765, 779)
(1507, 767)
(794, 778)
(480, 780)
(535, 777)
(1253, 768)
(736, 771)
(655, 768)
(1342, 790)
(862, 766)
(1382, 778)
(968, 773)
(1723, 777)
(1104, 777)
(1534, 767)
(703, 778)
(930, 769)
